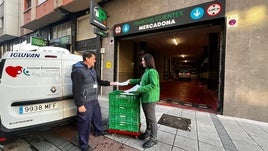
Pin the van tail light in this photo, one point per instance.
(2, 139)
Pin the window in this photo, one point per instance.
(62, 30)
(1, 52)
(27, 4)
(40, 1)
(1, 22)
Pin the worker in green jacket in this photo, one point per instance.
(149, 91)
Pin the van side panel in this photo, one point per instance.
(69, 108)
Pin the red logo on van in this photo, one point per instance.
(14, 71)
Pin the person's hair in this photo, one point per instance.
(149, 61)
(88, 54)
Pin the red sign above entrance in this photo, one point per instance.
(214, 9)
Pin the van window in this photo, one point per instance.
(2, 63)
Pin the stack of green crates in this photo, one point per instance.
(124, 111)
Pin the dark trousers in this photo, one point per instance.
(151, 124)
(84, 120)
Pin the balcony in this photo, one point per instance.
(42, 15)
(52, 11)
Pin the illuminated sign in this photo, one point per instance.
(98, 16)
(202, 12)
(100, 32)
(38, 41)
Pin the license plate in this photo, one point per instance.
(37, 107)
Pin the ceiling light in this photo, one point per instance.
(176, 42)
(182, 56)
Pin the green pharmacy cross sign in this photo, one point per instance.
(98, 16)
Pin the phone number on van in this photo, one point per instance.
(37, 107)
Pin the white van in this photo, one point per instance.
(35, 90)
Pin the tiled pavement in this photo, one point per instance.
(208, 132)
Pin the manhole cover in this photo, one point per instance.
(175, 122)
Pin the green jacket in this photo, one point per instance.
(149, 89)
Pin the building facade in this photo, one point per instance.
(241, 36)
(9, 23)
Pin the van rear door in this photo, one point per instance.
(31, 89)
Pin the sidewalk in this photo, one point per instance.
(208, 132)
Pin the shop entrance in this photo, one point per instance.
(189, 60)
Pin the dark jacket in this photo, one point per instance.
(85, 84)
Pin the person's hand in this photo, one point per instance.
(82, 109)
(113, 83)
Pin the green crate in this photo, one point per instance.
(124, 126)
(123, 103)
(124, 111)
(129, 118)
(117, 98)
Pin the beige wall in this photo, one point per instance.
(108, 57)
(246, 67)
(246, 62)
(11, 15)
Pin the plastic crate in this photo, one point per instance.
(118, 98)
(120, 103)
(124, 112)
(125, 118)
(130, 127)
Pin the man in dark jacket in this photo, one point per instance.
(85, 92)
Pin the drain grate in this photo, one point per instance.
(175, 122)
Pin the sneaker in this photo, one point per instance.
(101, 133)
(143, 136)
(87, 149)
(149, 143)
